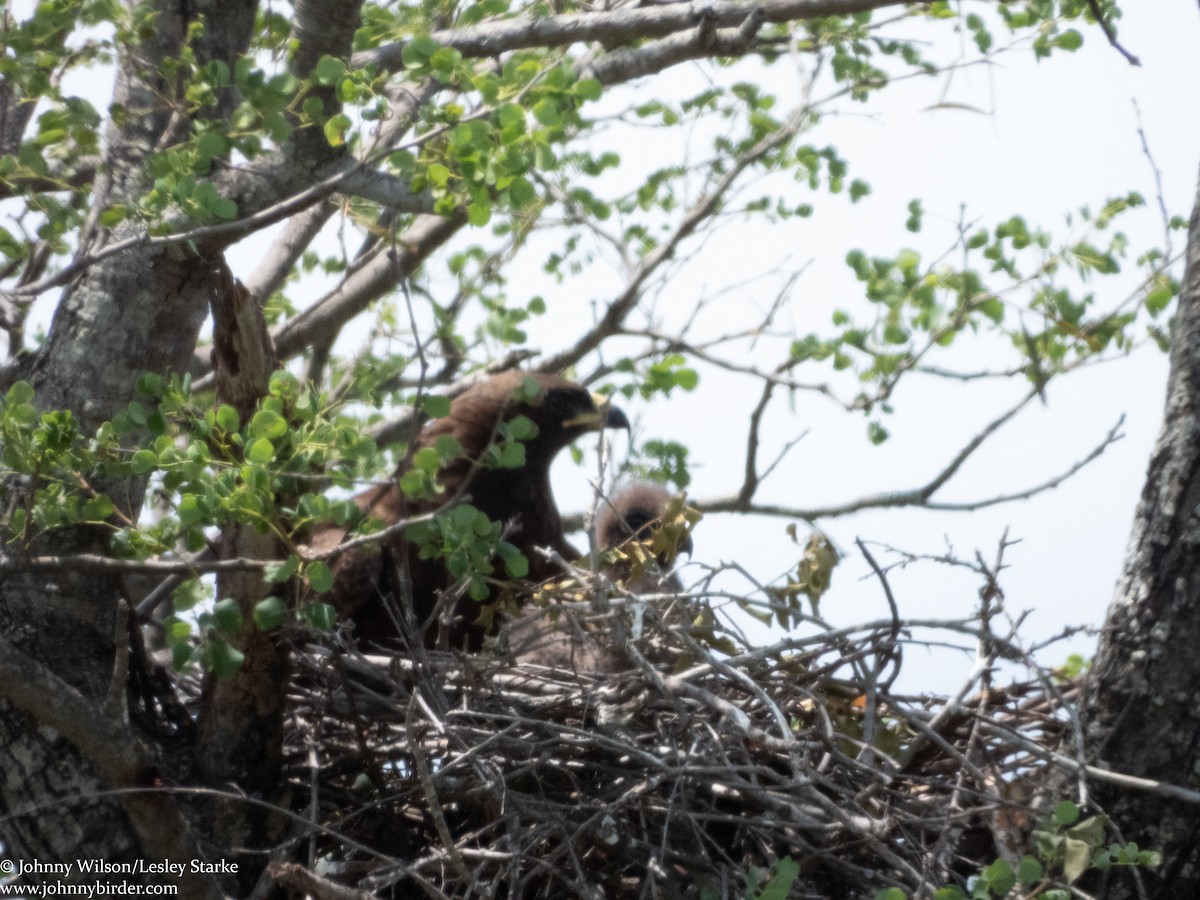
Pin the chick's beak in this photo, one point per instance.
(685, 545)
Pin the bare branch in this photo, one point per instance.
(613, 319)
(612, 27)
(324, 319)
(920, 496)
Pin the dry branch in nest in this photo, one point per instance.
(453, 777)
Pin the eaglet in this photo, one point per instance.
(370, 584)
(560, 636)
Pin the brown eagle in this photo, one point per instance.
(559, 635)
(370, 584)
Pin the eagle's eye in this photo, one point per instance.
(561, 404)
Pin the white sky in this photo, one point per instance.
(1053, 136)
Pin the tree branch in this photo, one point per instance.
(611, 27)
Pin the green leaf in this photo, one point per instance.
(547, 112)
(320, 616)
(189, 510)
(1029, 870)
(436, 405)
(320, 576)
(98, 508)
(330, 70)
(417, 52)
(588, 89)
(267, 423)
(149, 384)
(227, 418)
(261, 451)
(228, 615)
(479, 214)
(143, 461)
(20, 392)
(780, 885)
(1000, 877)
(335, 129)
(448, 447)
(1070, 40)
(1090, 830)
(1065, 813)
(512, 456)
(279, 572)
(269, 614)
(515, 563)
(113, 215)
(223, 659)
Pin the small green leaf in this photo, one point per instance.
(261, 451)
(20, 392)
(267, 423)
(320, 576)
(417, 52)
(436, 406)
(336, 128)
(149, 384)
(320, 616)
(521, 192)
(113, 215)
(547, 112)
(448, 446)
(1000, 877)
(512, 456)
(329, 70)
(786, 871)
(189, 510)
(228, 419)
(479, 214)
(143, 461)
(279, 572)
(269, 614)
(222, 208)
(223, 659)
(98, 508)
(1029, 870)
(1065, 813)
(515, 563)
(228, 615)
(588, 89)
(1070, 40)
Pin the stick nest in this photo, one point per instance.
(793, 768)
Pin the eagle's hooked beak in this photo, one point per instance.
(605, 415)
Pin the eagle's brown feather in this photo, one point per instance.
(369, 581)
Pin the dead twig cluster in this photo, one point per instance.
(458, 776)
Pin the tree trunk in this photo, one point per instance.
(136, 311)
(1141, 707)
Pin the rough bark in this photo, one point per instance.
(1141, 708)
(135, 311)
(239, 741)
